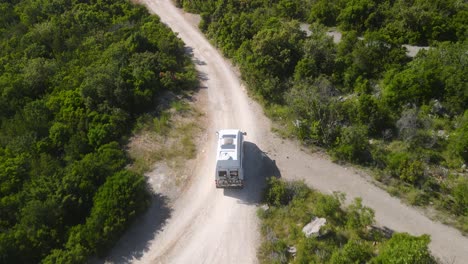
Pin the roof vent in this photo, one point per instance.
(228, 141)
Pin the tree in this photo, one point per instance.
(314, 106)
(270, 58)
(324, 12)
(372, 114)
(319, 55)
(289, 8)
(435, 74)
(404, 248)
(13, 172)
(356, 14)
(116, 203)
(74, 76)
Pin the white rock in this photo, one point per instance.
(313, 228)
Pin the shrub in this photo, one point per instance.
(412, 171)
(353, 145)
(460, 195)
(355, 251)
(276, 192)
(359, 216)
(404, 248)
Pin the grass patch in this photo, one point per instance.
(180, 106)
(167, 136)
(161, 123)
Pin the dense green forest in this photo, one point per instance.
(74, 78)
(363, 99)
(348, 235)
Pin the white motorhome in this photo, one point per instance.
(229, 155)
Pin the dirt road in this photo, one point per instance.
(207, 225)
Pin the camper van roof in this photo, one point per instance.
(228, 146)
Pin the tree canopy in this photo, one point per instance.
(74, 77)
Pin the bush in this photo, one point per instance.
(329, 207)
(276, 192)
(394, 162)
(359, 216)
(353, 145)
(416, 197)
(460, 196)
(404, 248)
(116, 203)
(412, 172)
(355, 251)
(458, 140)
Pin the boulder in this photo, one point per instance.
(313, 228)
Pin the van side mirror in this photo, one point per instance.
(244, 133)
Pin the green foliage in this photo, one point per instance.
(404, 248)
(372, 56)
(411, 171)
(353, 145)
(395, 161)
(355, 251)
(460, 196)
(356, 14)
(74, 77)
(276, 192)
(346, 238)
(316, 109)
(271, 57)
(458, 141)
(116, 203)
(324, 12)
(319, 55)
(373, 114)
(329, 207)
(13, 172)
(418, 22)
(279, 192)
(359, 216)
(436, 74)
(289, 8)
(161, 123)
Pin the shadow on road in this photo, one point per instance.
(136, 240)
(258, 167)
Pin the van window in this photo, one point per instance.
(222, 173)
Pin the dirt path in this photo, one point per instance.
(207, 225)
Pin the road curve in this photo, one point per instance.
(208, 225)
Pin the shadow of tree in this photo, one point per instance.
(258, 167)
(135, 241)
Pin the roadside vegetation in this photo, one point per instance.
(363, 99)
(74, 78)
(167, 136)
(348, 236)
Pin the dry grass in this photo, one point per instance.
(170, 137)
